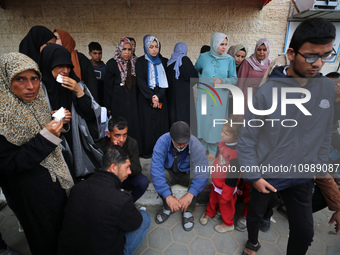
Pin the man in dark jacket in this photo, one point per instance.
(100, 217)
(291, 142)
(118, 135)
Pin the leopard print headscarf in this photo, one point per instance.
(20, 120)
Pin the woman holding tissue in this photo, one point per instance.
(33, 171)
(73, 95)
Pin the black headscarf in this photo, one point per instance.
(36, 37)
(51, 56)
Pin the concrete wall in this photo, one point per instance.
(171, 21)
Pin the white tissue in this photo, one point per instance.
(59, 115)
(59, 78)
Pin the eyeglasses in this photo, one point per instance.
(314, 57)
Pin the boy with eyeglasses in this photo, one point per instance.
(300, 149)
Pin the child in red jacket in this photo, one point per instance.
(225, 176)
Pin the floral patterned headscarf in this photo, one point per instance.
(122, 63)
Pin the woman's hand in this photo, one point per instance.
(68, 116)
(72, 85)
(155, 101)
(217, 81)
(54, 127)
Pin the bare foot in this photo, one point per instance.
(211, 156)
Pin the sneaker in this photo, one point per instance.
(265, 225)
(204, 219)
(217, 217)
(220, 229)
(241, 224)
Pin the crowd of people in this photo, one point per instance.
(64, 173)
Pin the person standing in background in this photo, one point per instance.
(152, 83)
(99, 67)
(179, 72)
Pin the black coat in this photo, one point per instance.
(179, 91)
(87, 75)
(37, 201)
(120, 102)
(97, 215)
(153, 121)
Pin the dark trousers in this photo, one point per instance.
(3, 245)
(137, 185)
(298, 201)
(181, 179)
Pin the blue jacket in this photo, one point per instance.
(192, 160)
(292, 149)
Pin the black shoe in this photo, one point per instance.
(265, 225)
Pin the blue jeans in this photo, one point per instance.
(137, 185)
(136, 237)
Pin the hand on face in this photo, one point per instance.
(72, 85)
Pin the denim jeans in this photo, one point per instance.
(136, 237)
(137, 185)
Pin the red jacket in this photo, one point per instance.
(220, 170)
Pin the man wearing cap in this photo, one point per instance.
(178, 158)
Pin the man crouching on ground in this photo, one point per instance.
(176, 155)
(100, 217)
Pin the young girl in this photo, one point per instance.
(225, 177)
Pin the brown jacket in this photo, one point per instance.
(330, 191)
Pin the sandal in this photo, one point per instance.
(251, 247)
(162, 216)
(187, 218)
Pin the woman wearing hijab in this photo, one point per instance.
(253, 69)
(152, 83)
(239, 53)
(214, 67)
(179, 71)
(133, 43)
(33, 171)
(73, 95)
(36, 39)
(82, 65)
(121, 89)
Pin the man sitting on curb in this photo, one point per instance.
(176, 156)
(100, 217)
(117, 134)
